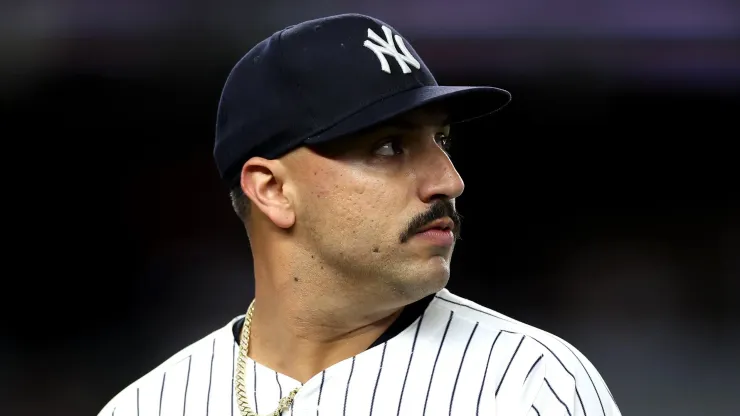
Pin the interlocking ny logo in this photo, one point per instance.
(381, 48)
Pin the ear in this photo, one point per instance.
(262, 182)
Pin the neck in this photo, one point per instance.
(303, 346)
(300, 326)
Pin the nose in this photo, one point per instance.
(440, 179)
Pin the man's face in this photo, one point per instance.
(362, 202)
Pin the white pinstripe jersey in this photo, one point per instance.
(458, 358)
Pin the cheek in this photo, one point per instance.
(353, 204)
(371, 207)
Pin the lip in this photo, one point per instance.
(438, 232)
(442, 224)
(437, 237)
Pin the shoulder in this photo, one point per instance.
(569, 373)
(151, 384)
(492, 320)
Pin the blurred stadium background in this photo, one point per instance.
(600, 205)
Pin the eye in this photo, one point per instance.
(391, 146)
(443, 140)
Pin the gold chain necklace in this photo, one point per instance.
(241, 374)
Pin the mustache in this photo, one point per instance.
(440, 208)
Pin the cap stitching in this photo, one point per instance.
(298, 86)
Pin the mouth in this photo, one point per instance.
(438, 233)
(443, 224)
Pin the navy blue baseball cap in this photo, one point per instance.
(325, 79)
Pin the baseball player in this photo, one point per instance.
(332, 135)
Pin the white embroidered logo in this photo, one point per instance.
(388, 47)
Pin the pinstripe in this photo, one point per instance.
(161, 393)
(434, 367)
(415, 365)
(377, 379)
(187, 383)
(558, 397)
(578, 395)
(408, 367)
(485, 373)
(459, 369)
(509, 365)
(346, 390)
(210, 377)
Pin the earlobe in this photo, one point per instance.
(262, 182)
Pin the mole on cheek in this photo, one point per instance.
(360, 188)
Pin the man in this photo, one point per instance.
(332, 134)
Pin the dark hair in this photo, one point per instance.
(240, 202)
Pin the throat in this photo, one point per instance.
(301, 359)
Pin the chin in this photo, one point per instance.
(427, 278)
(439, 276)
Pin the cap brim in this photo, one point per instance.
(462, 104)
